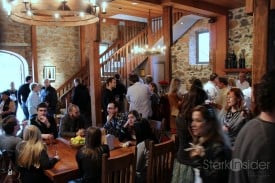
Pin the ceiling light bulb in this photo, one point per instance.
(29, 13)
(56, 15)
(81, 14)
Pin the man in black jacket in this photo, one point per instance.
(81, 98)
(49, 96)
(22, 95)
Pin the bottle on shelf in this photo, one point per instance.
(226, 62)
(242, 60)
(234, 63)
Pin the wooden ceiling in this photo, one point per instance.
(141, 8)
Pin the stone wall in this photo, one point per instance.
(59, 47)
(240, 37)
(184, 68)
(109, 32)
(241, 34)
(15, 37)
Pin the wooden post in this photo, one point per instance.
(219, 44)
(34, 54)
(249, 6)
(168, 39)
(150, 43)
(94, 73)
(95, 85)
(83, 46)
(272, 4)
(260, 37)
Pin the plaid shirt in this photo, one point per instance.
(114, 126)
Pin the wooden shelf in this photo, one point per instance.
(237, 70)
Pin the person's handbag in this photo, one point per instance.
(8, 173)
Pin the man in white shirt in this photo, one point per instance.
(33, 99)
(241, 82)
(138, 96)
(247, 94)
(210, 87)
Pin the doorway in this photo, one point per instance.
(13, 67)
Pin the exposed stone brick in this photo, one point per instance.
(240, 35)
(183, 65)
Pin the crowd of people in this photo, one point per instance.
(214, 124)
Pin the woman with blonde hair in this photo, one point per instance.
(175, 103)
(32, 157)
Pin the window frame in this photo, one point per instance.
(197, 47)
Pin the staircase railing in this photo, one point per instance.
(64, 91)
(117, 59)
(110, 51)
(122, 61)
(156, 29)
(177, 16)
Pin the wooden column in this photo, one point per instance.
(150, 43)
(168, 39)
(260, 37)
(94, 73)
(83, 46)
(34, 53)
(272, 4)
(249, 6)
(219, 44)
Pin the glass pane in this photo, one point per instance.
(203, 47)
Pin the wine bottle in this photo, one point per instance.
(234, 60)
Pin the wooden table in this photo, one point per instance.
(66, 168)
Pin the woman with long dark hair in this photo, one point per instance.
(89, 157)
(144, 134)
(127, 132)
(235, 114)
(209, 147)
(182, 171)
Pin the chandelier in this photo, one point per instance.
(148, 51)
(58, 12)
(145, 50)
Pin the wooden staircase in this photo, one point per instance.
(122, 60)
(64, 92)
(117, 58)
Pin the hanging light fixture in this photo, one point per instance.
(58, 12)
(145, 50)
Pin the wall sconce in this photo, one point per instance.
(142, 72)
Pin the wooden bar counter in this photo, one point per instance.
(66, 168)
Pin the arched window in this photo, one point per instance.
(13, 67)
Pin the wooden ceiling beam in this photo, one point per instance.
(198, 7)
(112, 12)
(141, 11)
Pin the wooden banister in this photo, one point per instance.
(122, 61)
(117, 58)
(68, 85)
